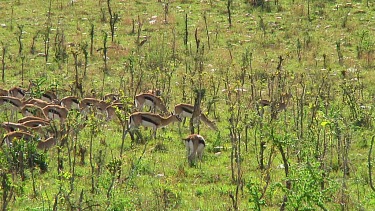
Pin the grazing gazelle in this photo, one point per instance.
(9, 137)
(184, 110)
(70, 102)
(111, 110)
(3, 92)
(11, 126)
(32, 110)
(156, 92)
(17, 92)
(35, 123)
(36, 126)
(111, 97)
(88, 104)
(35, 101)
(49, 96)
(277, 106)
(149, 100)
(29, 118)
(155, 121)
(16, 103)
(55, 112)
(195, 145)
(46, 144)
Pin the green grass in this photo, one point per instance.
(331, 128)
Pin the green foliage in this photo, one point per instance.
(288, 83)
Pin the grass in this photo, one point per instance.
(324, 133)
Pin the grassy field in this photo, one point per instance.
(309, 149)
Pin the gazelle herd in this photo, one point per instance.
(38, 113)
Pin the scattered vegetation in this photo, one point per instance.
(288, 84)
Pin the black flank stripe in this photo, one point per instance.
(54, 112)
(75, 101)
(21, 92)
(149, 120)
(47, 96)
(11, 102)
(187, 110)
(202, 142)
(149, 98)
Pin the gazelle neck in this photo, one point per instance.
(169, 120)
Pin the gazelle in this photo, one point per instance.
(184, 110)
(35, 101)
(156, 92)
(195, 145)
(16, 103)
(155, 121)
(276, 106)
(70, 102)
(49, 96)
(17, 92)
(35, 123)
(4, 92)
(32, 110)
(55, 112)
(11, 126)
(149, 100)
(111, 110)
(102, 106)
(30, 118)
(87, 104)
(36, 126)
(46, 144)
(9, 137)
(111, 97)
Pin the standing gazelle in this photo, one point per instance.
(184, 110)
(149, 100)
(155, 121)
(195, 145)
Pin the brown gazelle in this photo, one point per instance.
(36, 126)
(32, 110)
(70, 102)
(111, 110)
(195, 145)
(15, 103)
(55, 112)
(17, 92)
(88, 104)
(155, 121)
(9, 137)
(4, 92)
(149, 100)
(49, 96)
(30, 118)
(156, 92)
(11, 126)
(35, 123)
(46, 144)
(276, 105)
(35, 101)
(184, 110)
(111, 97)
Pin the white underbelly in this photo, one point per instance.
(186, 114)
(148, 124)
